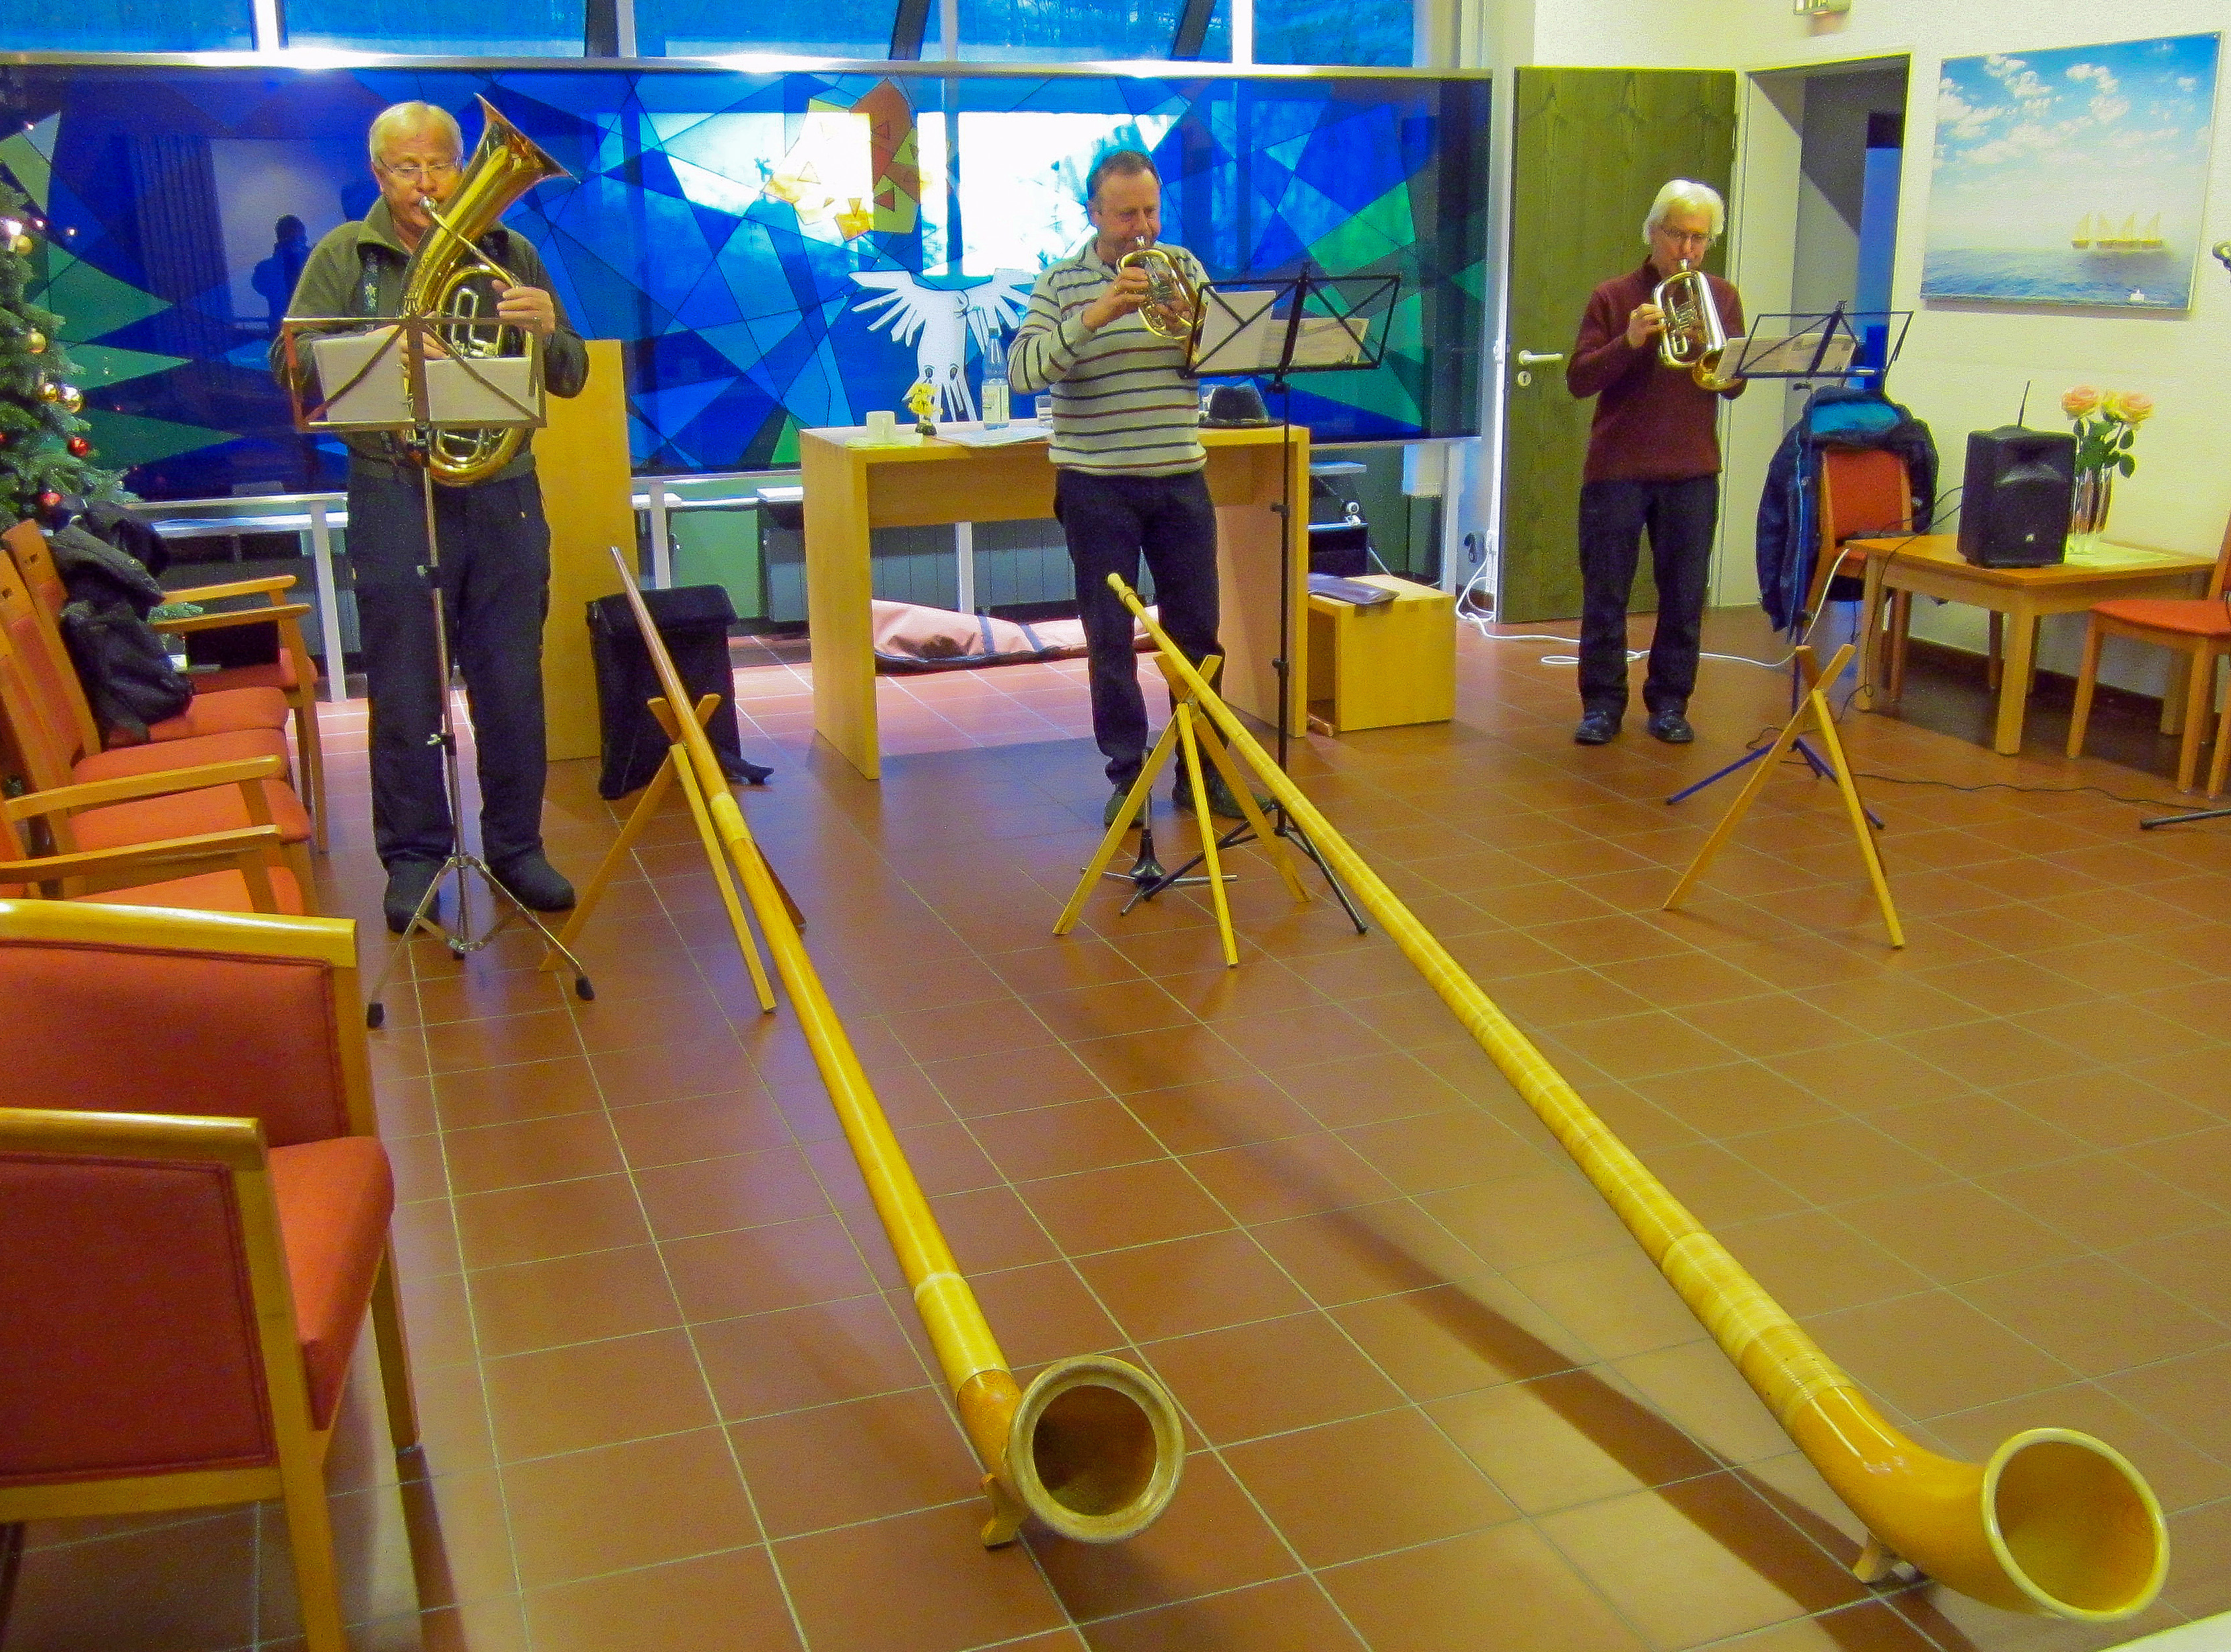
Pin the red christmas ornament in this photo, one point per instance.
(50, 501)
(79, 447)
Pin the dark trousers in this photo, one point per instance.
(496, 581)
(1680, 516)
(1111, 523)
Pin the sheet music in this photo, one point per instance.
(1791, 355)
(1323, 340)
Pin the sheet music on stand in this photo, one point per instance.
(342, 377)
(1834, 344)
(1300, 324)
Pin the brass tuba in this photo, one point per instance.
(1693, 337)
(1171, 300)
(448, 279)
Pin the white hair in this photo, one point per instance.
(399, 117)
(1686, 194)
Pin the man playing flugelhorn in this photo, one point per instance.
(1653, 462)
(1126, 453)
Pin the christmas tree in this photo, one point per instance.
(45, 453)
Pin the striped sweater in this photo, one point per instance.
(1120, 407)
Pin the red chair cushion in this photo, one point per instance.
(203, 892)
(229, 747)
(187, 814)
(221, 711)
(241, 1037)
(334, 1198)
(128, 1344)
(2201, 616)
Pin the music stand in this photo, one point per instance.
(384, 379)
(1280, 326)
(1838, 344)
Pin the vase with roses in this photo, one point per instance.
(2106, 425)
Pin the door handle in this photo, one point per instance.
(1529, 358)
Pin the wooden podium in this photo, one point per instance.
(851, 490)
(581, 456)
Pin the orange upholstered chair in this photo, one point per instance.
(2199, 628)
(233, 871)
(1864, 494)
(111, 794)
(244, 722)
(185, 1288)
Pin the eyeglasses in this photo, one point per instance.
(411, 172)
(1686, 238)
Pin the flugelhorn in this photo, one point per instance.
(1692, 337)
(1171, 299)
(448, 281)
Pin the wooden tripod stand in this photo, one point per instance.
(1812, 709)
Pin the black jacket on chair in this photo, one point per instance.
(1788, 507)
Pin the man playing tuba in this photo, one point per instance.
(1653, 462)
(1126, 454)
(494, 543)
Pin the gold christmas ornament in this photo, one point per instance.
(49, 391)
(35, 342)
(72, 399)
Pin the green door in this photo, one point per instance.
(1592, 149)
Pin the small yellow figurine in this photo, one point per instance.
(922, 401)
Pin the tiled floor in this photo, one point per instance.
(675, 1398)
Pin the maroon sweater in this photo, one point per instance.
(1654, 422)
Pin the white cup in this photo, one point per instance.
(881, 427)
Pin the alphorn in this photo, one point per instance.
(2055, 1522)
(1093, 1447)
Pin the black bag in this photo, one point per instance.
(693, 622)
(120, 659)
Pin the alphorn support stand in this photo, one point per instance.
(1187, 735)
(1812, 707)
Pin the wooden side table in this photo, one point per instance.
(1931, 564)
(1383, 666)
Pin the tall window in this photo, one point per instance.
(131, 25)
(805, 27)
(1065, 31)
(452, 28)
(1361, 34)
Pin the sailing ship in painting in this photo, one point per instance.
(2108, 239)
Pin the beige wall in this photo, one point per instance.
(1964, 364)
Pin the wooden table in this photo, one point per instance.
(1931, 565)
(852, 490)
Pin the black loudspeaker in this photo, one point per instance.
(2015, 498)
(693, 623)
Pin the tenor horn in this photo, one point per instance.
(1094, 1446)
(2053, 1522)
(449, 281)
(1170, 299)
(1693, 336)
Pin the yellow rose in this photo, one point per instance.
(2128, 407)
(2079, 402)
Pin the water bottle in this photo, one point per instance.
(995, 383)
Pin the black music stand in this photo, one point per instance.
(1838, 344)
(384, 380)
(1280, 326)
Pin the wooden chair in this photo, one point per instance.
(142, 794)
(232, 871)
(185, 1288)
(217, 707)
(1864, 492)
(2198, 628)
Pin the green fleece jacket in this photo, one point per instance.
(332, 285)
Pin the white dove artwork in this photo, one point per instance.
(939, 322)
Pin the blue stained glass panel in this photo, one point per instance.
(773, 250)
(130, 26)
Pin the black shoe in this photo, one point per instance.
(1597, 728)
(407, 883)
(1671, 727)
(1221, 802)
(534, 883)
(1115, 806)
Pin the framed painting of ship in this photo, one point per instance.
(2073, 176)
